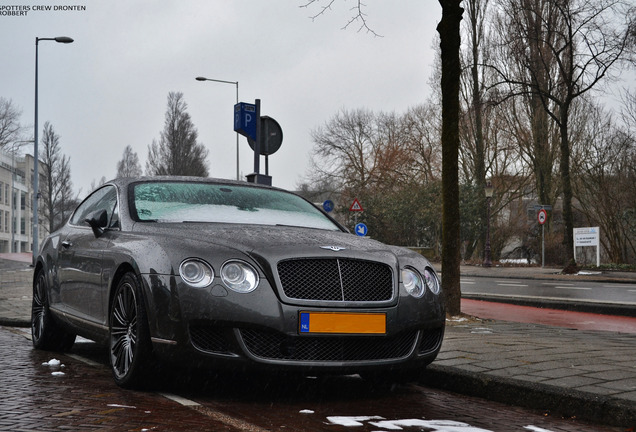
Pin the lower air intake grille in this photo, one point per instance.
(277, 346)
(209, 339)
(431, 340)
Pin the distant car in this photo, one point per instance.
(216, 273)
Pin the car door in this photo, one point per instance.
(80, 256)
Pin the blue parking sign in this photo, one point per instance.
(245, 119)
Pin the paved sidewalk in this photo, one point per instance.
(16, 278)
(587, 374)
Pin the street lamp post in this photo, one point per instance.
(489, 192)
(36, 161)
(200, 78)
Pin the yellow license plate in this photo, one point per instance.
(342, 323)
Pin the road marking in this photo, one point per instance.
(573, 288)
(467, 282)
(233, 422)
(84, 360)
(180, 400)
(512, 285)
(556, 283)
(618, 286)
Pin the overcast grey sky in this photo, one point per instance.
(109, 88)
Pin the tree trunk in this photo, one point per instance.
(449, 31)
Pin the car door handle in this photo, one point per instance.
(66, 244)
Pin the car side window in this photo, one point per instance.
(102, 199)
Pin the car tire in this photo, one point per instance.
(46, 333)
(130, 349)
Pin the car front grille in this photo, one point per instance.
(277, 346)
(336, 279)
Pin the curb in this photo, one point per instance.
(15, 322)
(575, 306)
(567, 403)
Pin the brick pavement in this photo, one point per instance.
(95, 405)
(591, 375)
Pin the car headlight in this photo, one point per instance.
(432, 282)
(413, 282)
(196, 272)
(239, 276)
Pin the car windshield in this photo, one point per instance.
(207, 202)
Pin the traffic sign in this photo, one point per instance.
(361, 229)
(356, 206)
(328, 206)
(245, 119)
(271, 136)
(542, 216)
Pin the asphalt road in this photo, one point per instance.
(588, 295)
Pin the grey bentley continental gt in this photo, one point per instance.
(216, 273)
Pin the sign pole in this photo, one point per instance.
(542, 245)
(257, 145)
(542, 217)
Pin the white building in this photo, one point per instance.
(16, 202)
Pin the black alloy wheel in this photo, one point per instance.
(129, 345)
(46, 334)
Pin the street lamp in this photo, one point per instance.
(36, 161)
(200, 78)
(489, 190)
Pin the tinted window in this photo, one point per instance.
(102, 199)
(203, 202)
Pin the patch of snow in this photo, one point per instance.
(306, 411)
(421, 424)
(433, 425)
(57, 373)
(518, 261)
(352, 420)
(121, 406)
(52, 363)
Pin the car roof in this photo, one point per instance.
(125, 181)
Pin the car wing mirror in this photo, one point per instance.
(98, 221)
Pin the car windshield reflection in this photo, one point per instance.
(178, 202)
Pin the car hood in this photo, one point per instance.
(274, 243)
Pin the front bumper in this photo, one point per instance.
(216, 325)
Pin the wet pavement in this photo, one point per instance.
(589, 374)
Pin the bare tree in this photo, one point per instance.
(576, 47)
(359, 16)
(57, 188)
(129, 165)
(10, 128)
(177, 152)
(604, 159)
